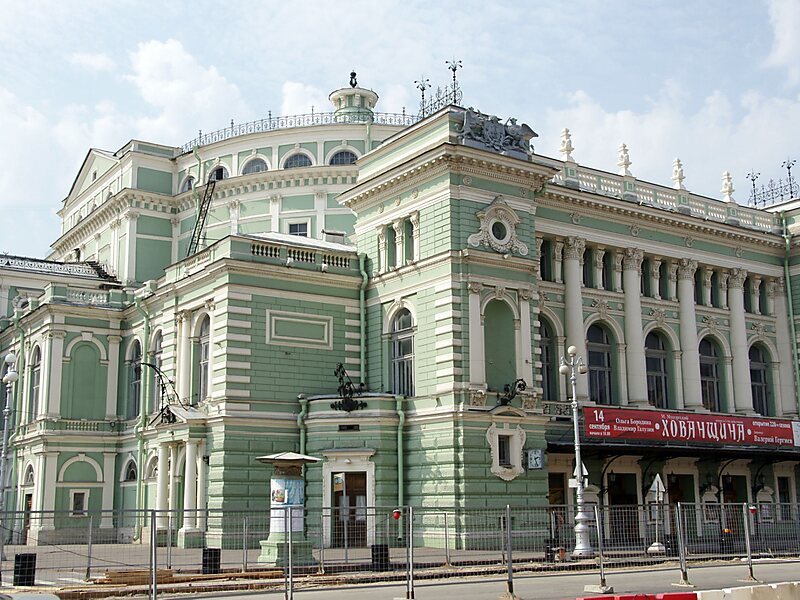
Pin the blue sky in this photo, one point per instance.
(716, 83)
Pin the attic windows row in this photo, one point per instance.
(398, 243)
(259, 165)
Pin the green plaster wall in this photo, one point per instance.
(302, 202)
(83, 387)
(152, 256)
(152, 180)
(147, 225)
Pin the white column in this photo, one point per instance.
(129, 272)
(599, 253)
(399, 242)
(525, 368)
(190, 486)
(233, 214)
(477, 363)
(382, 255)
(176, 232)
(184, 357)
(757, 308)
(634, 338)
(173, 467)
(723, 289)
(414, 218)
(788, 398)
(676, 360)
(573, 305)
(109, 461)
(690, 355)
(202, 493)
(320, 205)
(44, 383)
(655, 277)
(275, 212)
(56, 366)
(558, 265)
(112, 377)
(742, 394)
(162, 498)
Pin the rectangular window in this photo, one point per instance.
(300, 229)
(504, 450)
(79, 503)
(545, 261)
(784, 499)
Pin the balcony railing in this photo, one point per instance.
(273, 123)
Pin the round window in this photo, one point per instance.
(499, 230)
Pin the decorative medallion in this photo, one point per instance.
(689, 241)
(498, 229)
(659, 315)
(415, 193)
(466, 180)
(634, 230)
(711, 323)
(397, 201)
(602, 308)
(477, 397)
(759, 329)
(575, 218)
(738, 252)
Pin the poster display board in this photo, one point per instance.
(286, 493)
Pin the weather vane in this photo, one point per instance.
(752, 176)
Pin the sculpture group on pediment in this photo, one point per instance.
(489, 131)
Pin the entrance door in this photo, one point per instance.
(350, 509)
(558, 510)
(623, 507)
(26, 517)
(734, 494)
(680, 488)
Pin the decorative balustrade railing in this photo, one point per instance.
(87, 297)
(272, 123)
(303, 255)
(681, 201)
(556, 409)
(46, 266)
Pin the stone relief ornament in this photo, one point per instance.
(498, 229)
(711, 323)
(602, 308)
(542, 298)
(466, 180)
(634, 230)
(530, 400)
(477, 397)
(575, 218)
(480, 130)
(759, 329)
(659, 315)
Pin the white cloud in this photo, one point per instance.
(186, 94)
(723, 133)
(298, 98)
(784, 16)
(92, 62)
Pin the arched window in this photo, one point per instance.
(188, 184)
(296, 161)
(134, 380)
(218, 174)
(257, 165)
(709, 375)
(152, 469)
(403, 354)
(343, 157)
(759, 385)
(655, 353)
(547, 358)
(29, 476)
(157, 360)
(131, 472)
(598, 348)
(36, 378)
(204, 344)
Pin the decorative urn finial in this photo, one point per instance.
(566, 146)
(677, 174)
(727, 187)
(353, 80)
(624, 161)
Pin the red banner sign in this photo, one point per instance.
(617, 423)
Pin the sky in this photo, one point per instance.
(715, 83)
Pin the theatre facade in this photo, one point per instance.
(392, 294)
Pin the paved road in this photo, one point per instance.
(540, 587)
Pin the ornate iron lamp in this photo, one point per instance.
(510, 391)
(347, 389)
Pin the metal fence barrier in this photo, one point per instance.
(290, 547)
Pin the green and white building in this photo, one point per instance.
(438, 260)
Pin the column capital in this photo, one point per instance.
(398, 226)
(381, 231)
(574, 248)
(475, 287)
(686, 268)
(632, 259)
(736, 278)
(599, 254)
(114, 339)
(414, 218)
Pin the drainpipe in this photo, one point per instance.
(199, 179)
(144, 390)
(301, 421)
(362, 310)
(787, 239)
(401, 421)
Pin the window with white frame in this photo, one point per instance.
(156, 359)
(134, 380)
(188, 184)
(218, 174)
(131, 473)
(36, 377)
(29, 476)
(256, 165)
(506, 444)
(402, 353)
(299, 228)
(759, 383)
(204, 347)
(78, 503)
(297, 161)
(709, 375)
(343, 157)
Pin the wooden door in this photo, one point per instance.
(350, 510)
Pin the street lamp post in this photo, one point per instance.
(572, 366)
(9, 379)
